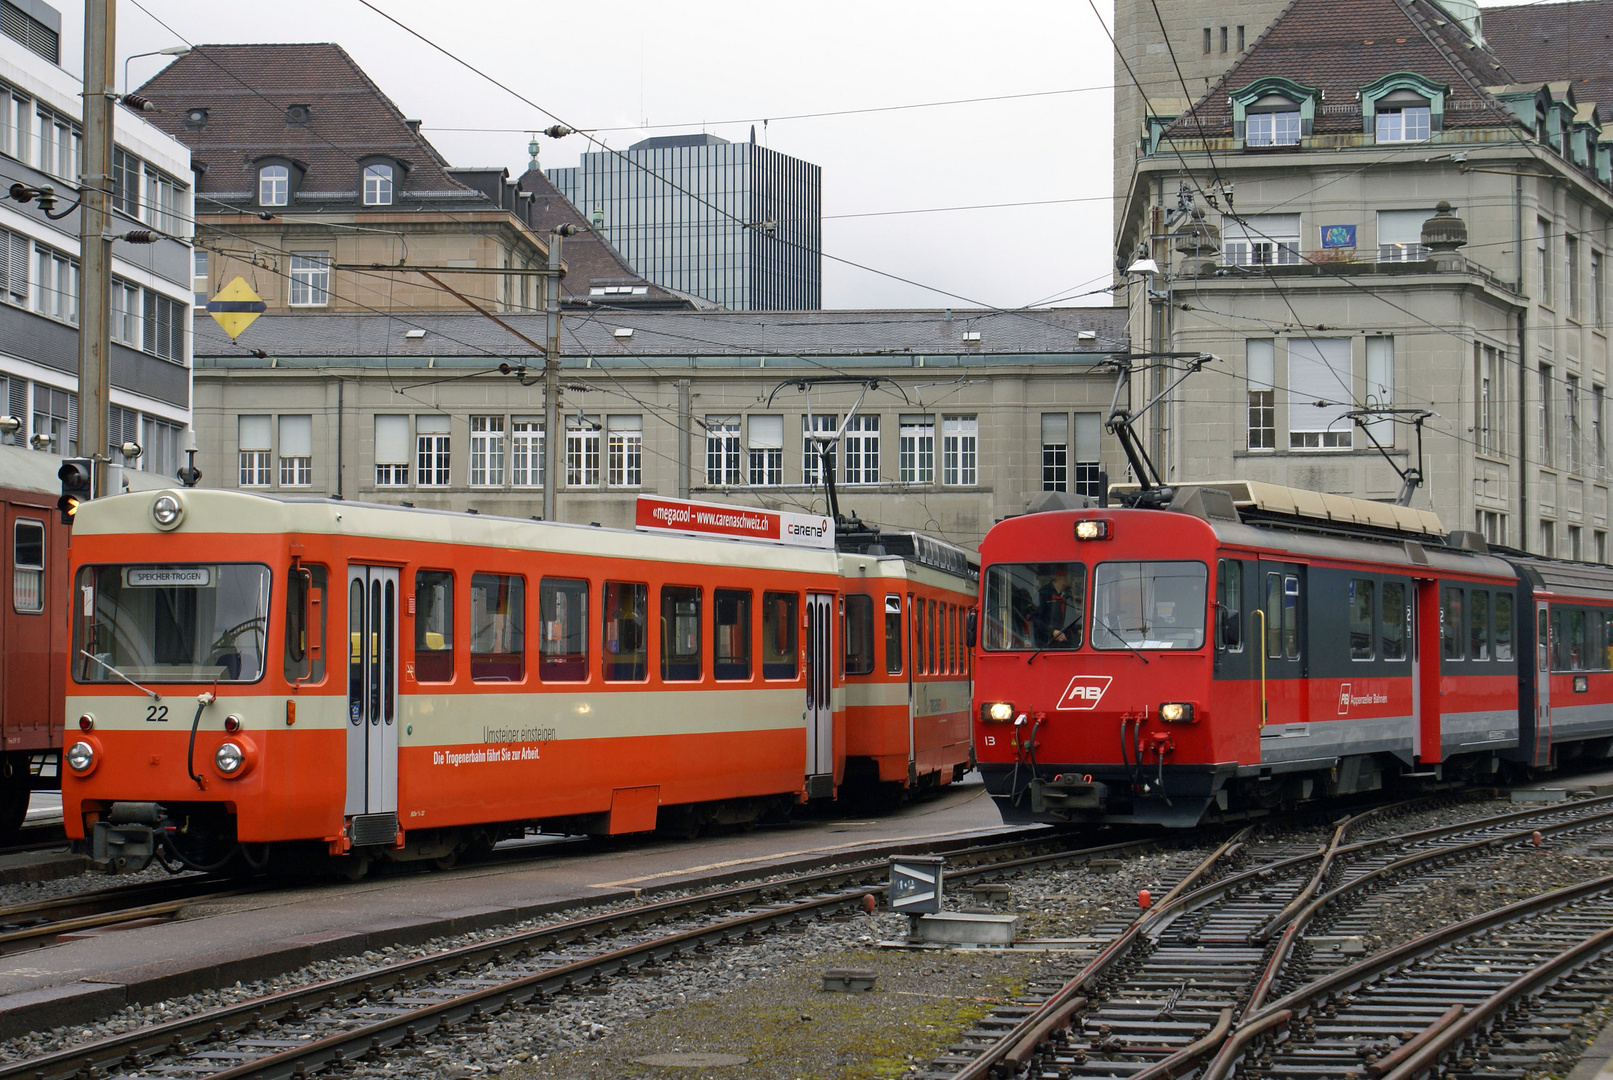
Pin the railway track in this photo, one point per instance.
(1185, 986)
(42, 922)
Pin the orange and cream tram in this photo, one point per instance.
(254, 677)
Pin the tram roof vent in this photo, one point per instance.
(1468, 540)
(1211, 504)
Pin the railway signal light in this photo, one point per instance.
(76, 475)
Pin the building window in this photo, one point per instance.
(1400, 235)
(1320, 378)
(274, 185)
(56, 418)
(1600, 539)
(1598, 300)
(378, 185)
(816, 430)
(1088, 454)
(431, 441)
(1547, 457)
(1261, 354)
(198, 279)
(582, 452)
(1548, 539)
(57, 295)
(1406, 123)
(487, 451)
(1207, 39)
(164, 331)
(16, 399)
(1055, 452)
(1571, 273)
(163, 211)
(122, 426)
(959, 466)
(1223, 39)
(1240, 39)
(13, 266)
(256, 451)
(1571, 416)
(766, 450)
(915, 449)
(391, 451)
(1598, 439)
(126, 313)
(310, 278)
(1381, 389)
(125, 182)
(296, 451)
(1576, 549)
(159, 446)
(1490, 402)
(624, 451)
(15, 107)
(1543, 260)
(1272, 125)
(722, 451)
(1260, 240)
(862, 449)
(60, 146)
(526, 453)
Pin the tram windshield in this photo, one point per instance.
(167, 624)
(1148, 605)
(1034, 605)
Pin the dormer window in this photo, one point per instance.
(1273, 112)
(1403, 107)
(274, 185)
(378, 184)
(1272, 121)
(1409, 122)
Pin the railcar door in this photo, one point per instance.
(820, 622)
(372, 700)
(1282, 600)
(1541, 751)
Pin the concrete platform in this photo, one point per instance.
(263, 935)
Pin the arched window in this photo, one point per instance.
(1403, 116)
(1403, 107)
(378, 185)
(274, 185)
(1273, 111)
(1273, 120)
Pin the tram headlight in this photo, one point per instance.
(81, 757)
(1176, 712)
(167, 511)
(229, 759)
(1092, 529)
(1001, 711)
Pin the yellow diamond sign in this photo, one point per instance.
(235, 306)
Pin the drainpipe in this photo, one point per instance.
(1523, 373)
(341, 417)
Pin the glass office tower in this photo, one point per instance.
(734, 223)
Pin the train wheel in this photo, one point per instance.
(448, 861)
(353, 868)
(13, 794)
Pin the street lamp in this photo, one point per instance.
(172, 50)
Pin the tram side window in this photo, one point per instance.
(305, 624)
(780, 619)
(1478, 625)
(1392, 625)
(859, 634)
(730, 645)
(1361, 590)
(1577, 641)
(1274, 616)
(433, 626)
(918, 636)
(1291, 616)
(932, 652)
(28, 567)
(945, 662)
(1595, 654)
(563, 625)
(1607, 639)
(680, 633)
(893, 634)
(1450, 624)
(1560, 660)
(497, 628)
(626, 644)
(1229, 604)
(1502, 623)
(1543, 648)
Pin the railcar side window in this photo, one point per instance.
(1595, 654)
(1361, 591)
(680, 633)
(1291, 616)
(626, 644)
(1607, 639)
(730, 645)
(433, 626)
(563, 630)
(1577, 653)
(1229, 602)
(918, 636)
(1478, 625)
(1540, 632)
(498, 628)
(932, 652)
(28, 567)
(780, 620)
(1502, 623)
(1274, 616)
(859, 634)
(1559, 642)
(1450, 624)
(305, 624)
(893, 634)
(1392, 626)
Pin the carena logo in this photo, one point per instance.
(1084, 692)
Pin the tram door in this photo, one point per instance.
(820, 620)
(372, 697)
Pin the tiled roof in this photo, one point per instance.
(1542, 43)
(905, 334)
(247, 89)
(591, 260)
(1338, 48)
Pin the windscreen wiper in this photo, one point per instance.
(1116, 635)
(86, 654)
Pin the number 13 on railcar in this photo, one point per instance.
(1249, 649)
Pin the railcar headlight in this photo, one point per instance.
(1176, 712)
(167, 511)
(229, 759)
(80, 756)
(1092, 529)
(997, 710)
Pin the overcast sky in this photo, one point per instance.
(720, 67)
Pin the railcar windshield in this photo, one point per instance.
(1148, 605)
(1034, 605)
(167, 624)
